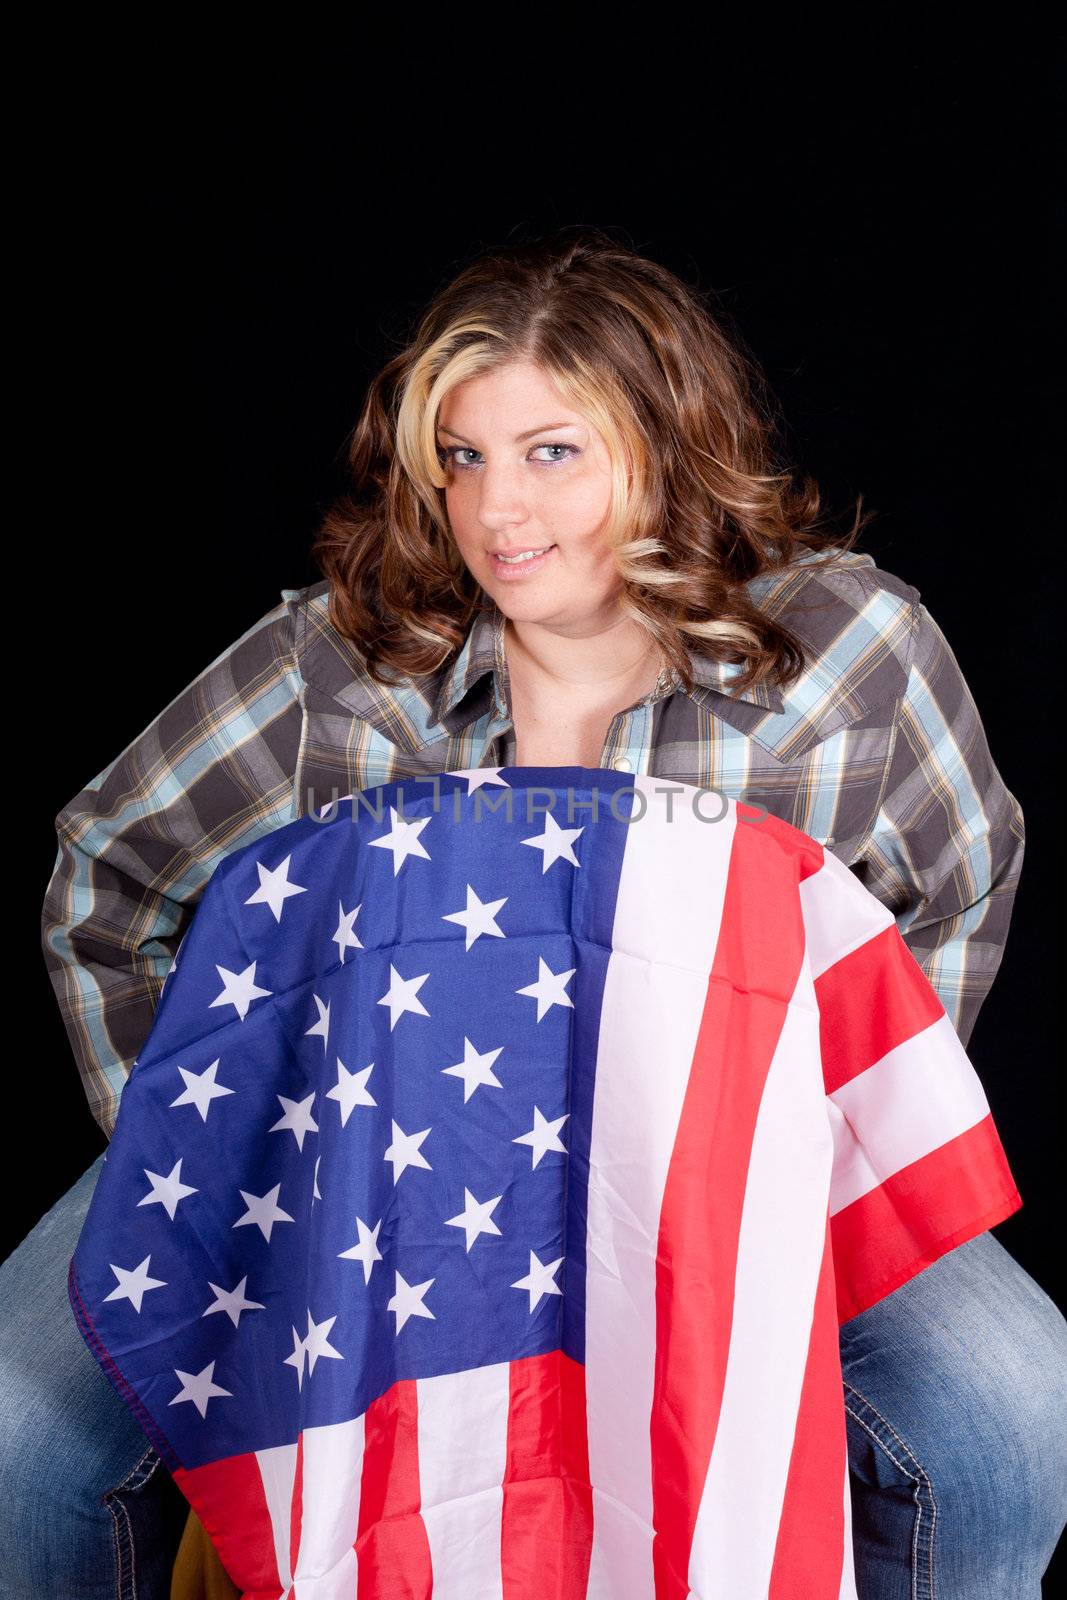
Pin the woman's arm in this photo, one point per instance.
(213, 772)
(946, 849)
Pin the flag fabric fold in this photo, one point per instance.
(482, 1207)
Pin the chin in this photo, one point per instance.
(525, 599)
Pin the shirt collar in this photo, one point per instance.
(483, 655)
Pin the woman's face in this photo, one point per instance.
(526, 472)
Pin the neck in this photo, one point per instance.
(602, 657)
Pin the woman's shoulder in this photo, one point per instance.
(838, 581)
(326, 658)
(855, 620)
(856, 624)
(331, 664)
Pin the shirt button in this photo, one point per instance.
(622, 763)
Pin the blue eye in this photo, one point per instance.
(570, 447)
(452, 453)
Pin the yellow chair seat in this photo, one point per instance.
(198, 1573)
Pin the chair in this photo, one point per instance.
(198, 1573)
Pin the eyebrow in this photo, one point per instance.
(519, 437)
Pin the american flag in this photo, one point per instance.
(483, 1204)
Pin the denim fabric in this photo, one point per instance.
(956, 1410)
(87, 1510)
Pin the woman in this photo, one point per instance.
(567, 541)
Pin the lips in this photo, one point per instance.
(508, 571)
(522, 549)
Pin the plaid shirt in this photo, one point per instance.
(877, 751)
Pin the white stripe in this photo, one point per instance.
(277, 1468)
(668, 914)
(780, 1250)
(848, 1589)
(326, 1565)
(912, 1101)
(839, 914)
(463, 1436)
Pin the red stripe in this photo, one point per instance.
(758, 957)
(927, 1208)
(871, 1001)
(809, 1553)
(228, 1498)
(546, 1532)
(391, 1543)
(297, 1509)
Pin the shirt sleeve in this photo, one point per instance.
(138, 843)
(918, 1165)
(946, 849)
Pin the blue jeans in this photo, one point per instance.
(955, 1397)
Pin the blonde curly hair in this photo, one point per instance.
(700, 503)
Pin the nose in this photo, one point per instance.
(501, 500)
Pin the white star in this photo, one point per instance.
(539, 1280)
(317, 1344)
(296, 1118)
(555, 842)
(478, 918)
(133, 1285)
(407, 1301)
(402, 995)
(549, 990)
(296, 1359)
(543, 1136)
(274, 888)
(315, 1195)
(351, 1090)
(345, 938)
(200, 1089)
(239, 989)
(475, 1069)
(475, 1217)
(264, 1211)
(404, 1151)
(169, 1190)
(198, 1387)
(477, 777)
(403, 840)
(320, 1029)
(366, 1251)
(232, 1301)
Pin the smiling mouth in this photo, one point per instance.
(516, 558)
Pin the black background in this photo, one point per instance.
(224, 234)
